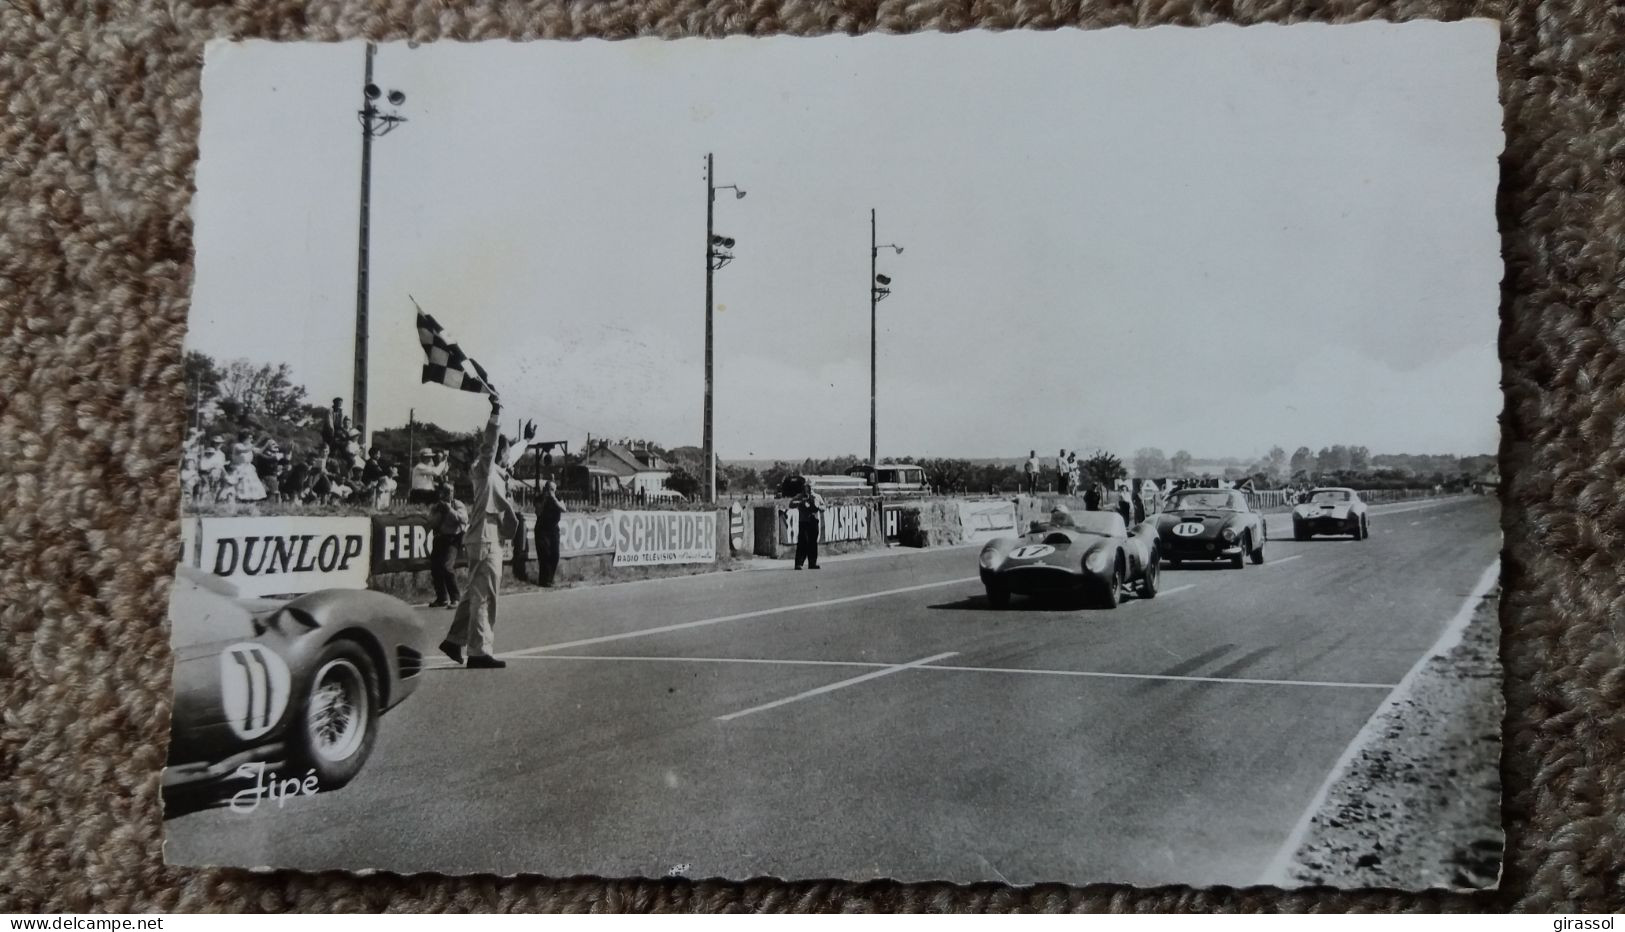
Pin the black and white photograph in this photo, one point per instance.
(1021, 457)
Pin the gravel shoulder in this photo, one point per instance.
(1419, 805)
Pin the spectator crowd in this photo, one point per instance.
(338, 470)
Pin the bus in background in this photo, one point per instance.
(893, 478)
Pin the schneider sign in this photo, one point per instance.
(645, 538)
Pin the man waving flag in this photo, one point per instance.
(445, 362)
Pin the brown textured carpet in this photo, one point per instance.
(99, 113)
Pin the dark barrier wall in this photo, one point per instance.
(849, 524)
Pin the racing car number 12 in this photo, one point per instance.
(1188, 529)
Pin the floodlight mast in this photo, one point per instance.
(717, 255)
(374, 122)
(879, 290)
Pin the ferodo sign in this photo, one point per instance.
(401, 543)
(286, 555)
(646, 538)
(580, 535)
(838, 523)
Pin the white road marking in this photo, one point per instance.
(1096, 674)
(1415, 523)
(1276, 874)
(1296, 556)
(853, 681)
(1177, 589)
(929, 664)
(1389, 509)
(742, 616)
(748, 660)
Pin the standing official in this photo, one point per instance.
(492, 519)
(548, 514)
(809, 506)
(1030, 473)
(1125, 505)
(448, 519)
(1093, 496)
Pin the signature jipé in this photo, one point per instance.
(270, 786)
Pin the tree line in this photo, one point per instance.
(227, 397)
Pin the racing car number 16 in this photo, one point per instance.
(1188, 529)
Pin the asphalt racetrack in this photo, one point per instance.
(877, 718)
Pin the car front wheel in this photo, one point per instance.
(1114, 589)
(1153, 578)
(1239, 561)
(997, 597)
(1258, 555)
(336, 727)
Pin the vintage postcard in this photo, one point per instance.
(1015, 457)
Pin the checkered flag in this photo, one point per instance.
(446, 363)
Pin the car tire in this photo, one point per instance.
(1357, 534)
(336, 723)
(1258, 555)
(1114, 589)
(1298, 531)
(997, 597)
(1152, 580)
(1239, 561)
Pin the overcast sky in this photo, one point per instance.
(1218, 240)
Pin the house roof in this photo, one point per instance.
(637, 461)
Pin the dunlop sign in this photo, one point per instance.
(286, 555)
(648, 538)
(840, 522)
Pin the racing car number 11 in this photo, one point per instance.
(254, 687)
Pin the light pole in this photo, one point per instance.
(879, 288)
(717, 255)
(374, 122)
